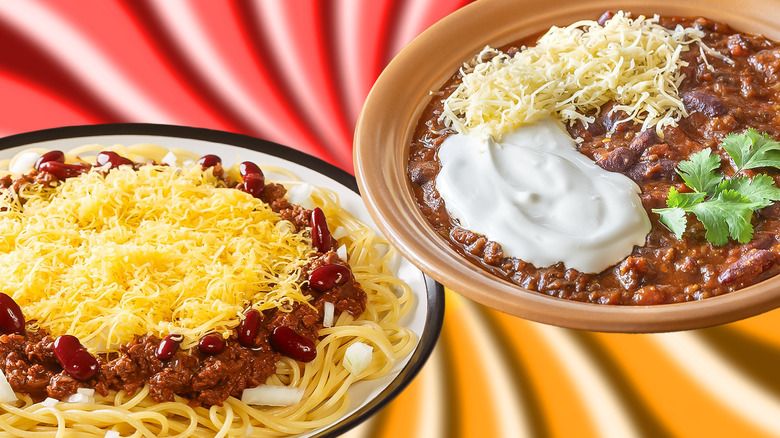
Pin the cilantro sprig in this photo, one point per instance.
(724, 205)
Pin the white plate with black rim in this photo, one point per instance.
(425, 318)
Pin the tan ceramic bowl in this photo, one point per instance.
(393, 108)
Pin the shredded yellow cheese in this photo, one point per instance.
(154, 251)
(571, 72)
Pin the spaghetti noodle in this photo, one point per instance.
(324, 380)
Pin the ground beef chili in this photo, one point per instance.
(31, 367)
(729, 98)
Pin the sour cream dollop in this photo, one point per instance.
(541, 199)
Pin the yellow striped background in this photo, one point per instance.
(494, 375)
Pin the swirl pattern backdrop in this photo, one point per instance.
(297, 73)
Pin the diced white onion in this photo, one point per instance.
(339, 232)
(6, 392)
(342, 252)
(187, 163)
(301, 194)
(112, 434)
(249, 430)
(24, 163)
(79, 398)
(328, 311)
(49, 402)
(89, 392)
(272, 395)
(169, 159)
(357, 357)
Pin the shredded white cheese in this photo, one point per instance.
(571, 72)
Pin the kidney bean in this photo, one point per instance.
(704, 103)
(11, 317)
(658, 170)
(249, 328)
(288, 342)
(63, 170)
(607, 15)
(74, 358)
(57, 156)
(329, 276)
(248, 167)
(168, 346)
(320, 234)
(209, 160)
(748, 267)
(254, 184)
(618, 160)
(212, 343)
(112, 158)
(760, 241)
(643, 140)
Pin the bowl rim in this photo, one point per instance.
(392, 109)
(434, 291)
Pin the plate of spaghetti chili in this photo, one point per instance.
(175, 281)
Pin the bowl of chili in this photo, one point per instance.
(675, 280)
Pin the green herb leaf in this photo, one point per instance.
(683, 200)
(752, 149)
(698, 172)
(674, 218)
(723, 205)
(678, 205)
(760, 189)
(728, 215)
